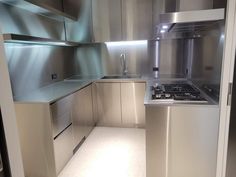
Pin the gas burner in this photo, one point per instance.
(179, 88)
(176, 92)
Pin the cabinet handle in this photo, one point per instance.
(1, 165)
(62, 131)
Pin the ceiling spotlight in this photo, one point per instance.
(163, 31)
(164, 27)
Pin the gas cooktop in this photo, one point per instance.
(176, 92)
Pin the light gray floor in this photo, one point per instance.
(109, 152)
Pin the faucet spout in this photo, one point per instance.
(124, 64)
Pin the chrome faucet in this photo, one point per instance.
(124, 64)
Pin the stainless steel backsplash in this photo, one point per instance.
(88, 60)
(207, 56)
(104, 59)
(31, 66)
(136, 53)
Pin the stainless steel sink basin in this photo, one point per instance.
(122, 77)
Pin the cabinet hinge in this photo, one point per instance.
(230, 90)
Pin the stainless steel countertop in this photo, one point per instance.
(52, 92)
(58, 90)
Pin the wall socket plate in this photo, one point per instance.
(54, 76)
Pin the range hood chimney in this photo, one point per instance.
(188, 17)
(187, 5)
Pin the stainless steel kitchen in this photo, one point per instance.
(121, 88)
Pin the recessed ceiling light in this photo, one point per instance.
(164, 27)
(163, 31)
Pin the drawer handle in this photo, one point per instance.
(1, 164)
(62, 131)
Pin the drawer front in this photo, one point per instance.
(60, 123)
(63, 148)
(61, 106)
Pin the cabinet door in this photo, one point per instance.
(193, 141)
(106, 20)
(132, 103)
(108, 104)
(137, 19)
(82, 114)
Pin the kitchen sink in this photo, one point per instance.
(122, 77)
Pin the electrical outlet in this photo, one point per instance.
(54, 76)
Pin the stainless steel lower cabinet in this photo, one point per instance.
(182, 141)
(63, 148)
(108, 104)
(119, 104)
(132, 107)
(82, 114)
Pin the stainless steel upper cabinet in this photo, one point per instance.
(122, 20)
(106, 20)
(136, 19)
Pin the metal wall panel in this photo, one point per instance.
(80, 30)
(104, 59)
(170, 57)
(220, 3)
(172, 60)
(88, 60)
(136, 19)
(207, 56)
(188, 5)
(31, 66)
(107, 20)
(137, 56)
(158, 7)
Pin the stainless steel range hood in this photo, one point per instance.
(189, 21)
